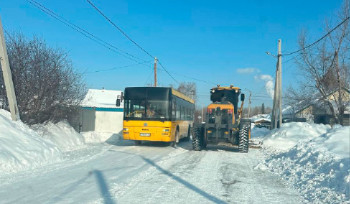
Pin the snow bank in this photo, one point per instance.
(98, 137)
(337, 141)
(313, 158)
(21, 147)
(62, 135)
(290, 134)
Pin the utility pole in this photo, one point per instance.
(155, 71)
(263, 108)
(10, 89)
(274, 109)
(277, 96)
(202, 114)
(280, 81)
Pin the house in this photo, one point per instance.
(102, 111)
(262, 122)
(317, 111)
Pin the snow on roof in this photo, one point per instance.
(259, 117)
(347, 109)
(101, 98)
(262, 120)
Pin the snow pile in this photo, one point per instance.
(290, 134)
(21, 147)
(62, 135)
(99, 137)
(313, 158)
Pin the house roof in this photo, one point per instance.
(101, 98)
(261, 120)
(259, 117)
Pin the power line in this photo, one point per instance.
(200, 80)
(83, 31)
(167, 71)
(149, 76)
(117, 27)
(193, 78)
(129, 38)
(293, 58)
(114, 68)
(317, 41)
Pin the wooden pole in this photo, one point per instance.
(280, 82)
(10, 89)
(155, 71)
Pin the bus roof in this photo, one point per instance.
(173, 91)
(225, 88)
(181, 95)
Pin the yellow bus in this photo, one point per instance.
(157, 114)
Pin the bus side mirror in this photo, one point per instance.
(242, 97)
(117, 103)
(119, 99)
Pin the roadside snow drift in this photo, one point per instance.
(290, 134)
(21, 147)
(99, 137)
(315, 159)
(62, 135)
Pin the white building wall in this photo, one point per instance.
(108, 121)
(87, 120)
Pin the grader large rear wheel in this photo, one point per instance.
(243, 145)
(197, 141)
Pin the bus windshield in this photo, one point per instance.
(146, 109)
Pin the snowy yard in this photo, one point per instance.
(297, 164)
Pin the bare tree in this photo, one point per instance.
(189, 89)
(257, 110)
(46, 85)
(325, 68)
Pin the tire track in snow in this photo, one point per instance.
(210, 176)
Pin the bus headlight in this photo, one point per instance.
(125, 129)
(166, 130)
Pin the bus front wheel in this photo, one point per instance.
(176, 141)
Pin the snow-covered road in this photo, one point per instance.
(151, 173)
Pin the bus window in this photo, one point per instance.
(157, 109)
(135, 108)
(173, 110)
(178, 112)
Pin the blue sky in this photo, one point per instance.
(214, 41)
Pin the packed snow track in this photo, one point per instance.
(150, 173)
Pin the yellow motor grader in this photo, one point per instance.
(223, 121)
